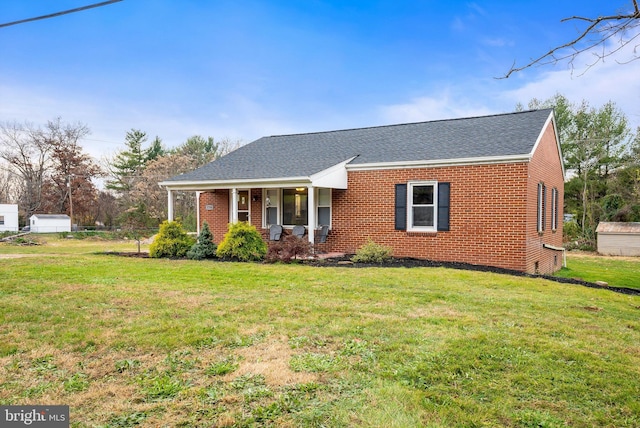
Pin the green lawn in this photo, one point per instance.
(141, 342)
(616, 271)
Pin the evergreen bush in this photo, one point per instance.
(171, 241)
(372, 253)
(242, 242)
(204, 248)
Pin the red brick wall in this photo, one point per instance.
(493, 214)
(487, 215)
(545, 167)
(218, 217)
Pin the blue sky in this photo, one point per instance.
(244, 69)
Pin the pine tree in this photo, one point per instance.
(128, 163)
(205, 248)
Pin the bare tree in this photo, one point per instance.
(147, 192)
(46, 161)
(69, 187)
(602, 36)
(9, 185)
(26, 150)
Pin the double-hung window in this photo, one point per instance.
(554, 209)
(323, 200)
(422, 200)
(542, 214)
(271, 206)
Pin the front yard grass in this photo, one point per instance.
(143, 342)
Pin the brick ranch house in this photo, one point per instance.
(482, 190)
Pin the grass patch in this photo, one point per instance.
(142, 342)
(616, 271)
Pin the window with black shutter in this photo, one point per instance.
(422, 206)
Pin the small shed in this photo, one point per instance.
(619, 238)
(50, 223)
(9, 218)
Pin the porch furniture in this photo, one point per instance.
(298, 231)
(322, 234)
(275, 232)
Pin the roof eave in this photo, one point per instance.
(334, 177)
(440, 162)
(238, 183)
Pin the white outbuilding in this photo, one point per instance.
(50, 223)
(619, 238)
(9, 218)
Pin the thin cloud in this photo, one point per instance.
(435, 107)
(606, 81)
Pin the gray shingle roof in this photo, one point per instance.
(301, 155)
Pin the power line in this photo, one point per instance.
(64, 12)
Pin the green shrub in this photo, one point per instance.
(372, 253)
(204, 248)
(172, 241)
(242, 242)
(571, 231)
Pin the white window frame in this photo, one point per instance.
(231, 207)
(554, 209)
(279, 202)
(541, 207)
(318, 206)
(410, 226)
(276, 205)
(281, 205)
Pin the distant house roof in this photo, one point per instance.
(618, 227)
(52, 216)
(503, 136)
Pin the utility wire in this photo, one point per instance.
(65, 12)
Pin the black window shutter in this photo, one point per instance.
(443, 206)
(401, 207)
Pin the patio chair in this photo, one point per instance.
(275, 232)
(298, 231)
(322, 234)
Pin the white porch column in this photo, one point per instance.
(198, 212)
(170, 205)
(234, 205)
(311, 214)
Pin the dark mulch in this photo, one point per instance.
(408, 262)
(141, 254)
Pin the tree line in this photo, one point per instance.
(601, 155)
(44, 169)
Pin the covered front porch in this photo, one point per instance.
(286, 202)
(288, 207)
